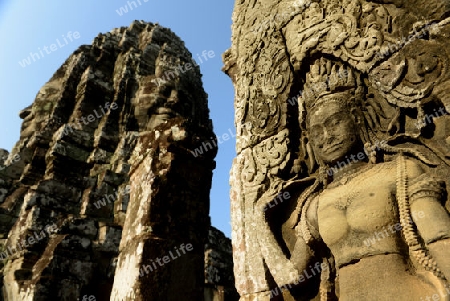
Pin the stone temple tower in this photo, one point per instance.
(102, 195)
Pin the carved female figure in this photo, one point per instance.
(392, 204)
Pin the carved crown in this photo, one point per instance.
(327, 81)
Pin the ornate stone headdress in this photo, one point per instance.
(327, 82)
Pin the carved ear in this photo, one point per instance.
(311, 157)
(356, 115)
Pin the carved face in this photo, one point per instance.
(160, 102)
(27, 124)
(165, 107)
(332, 131)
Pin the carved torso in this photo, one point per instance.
(352, 213)
(358, 219)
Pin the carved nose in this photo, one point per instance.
(173, 98)
(25, 112)
(327, 135)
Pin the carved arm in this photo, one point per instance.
(432, 219)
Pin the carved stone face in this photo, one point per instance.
(158, 104)
(332, 132)
(165, 107)
(27, 125)
(432, 9)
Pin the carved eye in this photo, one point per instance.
(314, 130)
(426, 65)
(317, 132)
(334, 122)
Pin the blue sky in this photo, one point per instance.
(28, 26)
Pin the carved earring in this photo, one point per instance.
(324, 174)
(371, 152)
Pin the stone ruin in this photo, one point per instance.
(339, 188)
(340, 185)
(102, 197)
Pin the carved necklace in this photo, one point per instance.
(342, 178)
(345, 202)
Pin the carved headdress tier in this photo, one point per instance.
(328, 81)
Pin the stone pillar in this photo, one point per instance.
(166, 225)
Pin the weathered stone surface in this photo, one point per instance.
(219, 276)
(348, 106)
(103, 180)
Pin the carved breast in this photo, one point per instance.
(351, 213)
